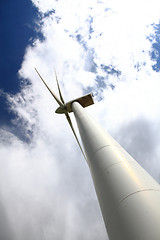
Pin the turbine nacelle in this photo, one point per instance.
(85, 101)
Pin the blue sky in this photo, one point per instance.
(100, 47)
(17, 29)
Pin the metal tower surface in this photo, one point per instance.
(129, 197)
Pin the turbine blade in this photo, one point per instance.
(53, 94)
(70, 123)
(60, 94)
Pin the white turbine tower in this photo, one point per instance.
(129, 197)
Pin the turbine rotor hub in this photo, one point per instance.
(61, 110)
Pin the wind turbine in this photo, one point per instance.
(129, 197)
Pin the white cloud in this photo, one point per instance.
(44, 6)
(47, 179)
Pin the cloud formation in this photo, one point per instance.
(46, 189)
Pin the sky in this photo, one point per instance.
(110, 48)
